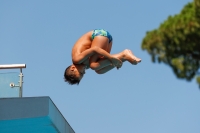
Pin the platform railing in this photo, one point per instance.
(8, 85)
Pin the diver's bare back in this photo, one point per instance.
(82, 44)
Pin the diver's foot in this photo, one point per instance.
(130, 57)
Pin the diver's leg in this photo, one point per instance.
(104, 65)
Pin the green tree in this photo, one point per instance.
(177, 42)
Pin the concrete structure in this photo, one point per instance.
(31, 115)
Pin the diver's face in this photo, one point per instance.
(79, 70)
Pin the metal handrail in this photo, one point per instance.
(12, 66)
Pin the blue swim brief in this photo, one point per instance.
(101, 32)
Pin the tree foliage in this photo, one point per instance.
(177, 42)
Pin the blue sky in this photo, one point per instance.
(135, 99)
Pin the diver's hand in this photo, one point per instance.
(116, 62)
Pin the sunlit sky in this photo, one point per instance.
(146, 98)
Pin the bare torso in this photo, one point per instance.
(84, 43)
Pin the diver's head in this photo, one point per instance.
(74, 73)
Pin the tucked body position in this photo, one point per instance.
(92, 50)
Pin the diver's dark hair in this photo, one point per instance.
(70, 77)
